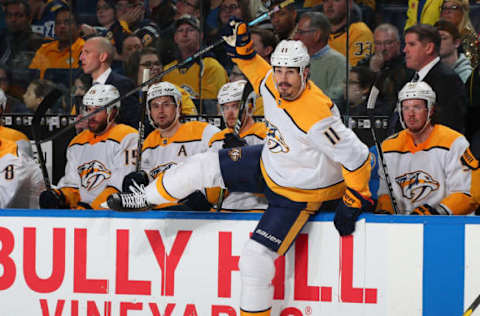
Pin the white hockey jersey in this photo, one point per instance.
(96, 165)
(308, 151)
(160, 153)
(241, 201)
(20, 178)
(429, 173)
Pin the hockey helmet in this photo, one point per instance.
(100, 95)
(162, 89)
(416, 90)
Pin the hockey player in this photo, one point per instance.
(18, 137)
(426, 161)
(236, 101)
(97, 159)
(171, 142)
(309, 161)
(20, 178)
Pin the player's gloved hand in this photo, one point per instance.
(426, 209)
(197, 201)
(232, 140)
(348, 210)
(53, 199)
(238, 41)
(140, 177)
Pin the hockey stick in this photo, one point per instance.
(372, 99)
(198, 54)
(247, 91)
(141, 124)
(472, 307)
(51, 98)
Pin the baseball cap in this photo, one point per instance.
(187, 19)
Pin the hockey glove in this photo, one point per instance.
(140, 177)
(52, 199)
(232, 140)
(238, 41)
(196, 201)
(348, 210)
(426, 209)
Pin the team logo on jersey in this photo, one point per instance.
(161, 168)
(417, 185)
(235, 154)
(469, 160)
(275, 141)
(92, 174)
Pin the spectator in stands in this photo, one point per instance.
(457, 12)
(144, 28)
(14, 105)
(132, 43)
(81, 85)
(114, 30)
(327, 66)
(201, 78)
(449, 50)
(264, 42)
(97, 158)
(360, 36)
(19, 43)
(37, 90)
(360, 82)
(44, 15)
(422, 48)
(11, 134)
(190, 7)
(424, 161)
(283, 20)
(59, 53)
(97, 55)
(423, 12)
(388, 63)
(162, 12)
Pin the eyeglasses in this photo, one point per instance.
(451, 8)
(150, 64)
(229, 8)
(350, 82)
(301, 32)
(384, 43)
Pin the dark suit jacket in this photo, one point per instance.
(129, 108)
(451, 106)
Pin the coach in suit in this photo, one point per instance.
(422, 46)
(96, 57)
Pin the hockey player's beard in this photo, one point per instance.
(166, 125)
(97, 127)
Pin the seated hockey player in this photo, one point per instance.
(310, 160)
(20, 177)
(170, 143)
(97, 159)
(426, 161)
(236, 102)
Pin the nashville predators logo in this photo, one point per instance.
(92, 174)
(161, 168)
(275, 141)
(417, 185)
(235, 154)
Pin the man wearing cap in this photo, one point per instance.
(201, 78)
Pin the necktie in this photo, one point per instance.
(416, 77)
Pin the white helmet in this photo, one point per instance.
(162, 89)
(3, 100)
(231, 91)
(291, 54)
(100, 95)
(234, 92)
(416, 90)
